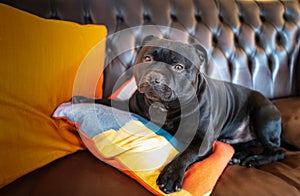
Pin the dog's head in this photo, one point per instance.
(166, 70)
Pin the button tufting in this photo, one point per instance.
(214, 40)
(198, 17)
(262, 18)
(249, 62)
(173, 17)
(279, 39)
(120, 18)
(270, 63)
(267, 32)
(221, 18)
(147, 18)
(257, 39)
(236, 40)
(255, 34)
(241, 18)
(285, 16)
(87, 18)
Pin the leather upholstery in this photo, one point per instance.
(253, 43)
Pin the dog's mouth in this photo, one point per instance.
(157, 93)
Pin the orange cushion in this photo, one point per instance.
(39, 63)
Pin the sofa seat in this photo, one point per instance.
(83, 174)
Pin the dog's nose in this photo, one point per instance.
(155, 79)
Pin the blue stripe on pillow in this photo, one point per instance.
(160, 131)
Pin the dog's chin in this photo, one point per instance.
(157, 93)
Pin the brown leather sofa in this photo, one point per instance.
(253, 43)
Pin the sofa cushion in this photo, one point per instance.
(72, 175)
(290, 112)
(39, 62)
(278, 178)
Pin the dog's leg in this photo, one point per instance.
(171, 178)
(241, 152)
(266, 121)
(268, 133)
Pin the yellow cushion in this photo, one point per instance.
(39, 63)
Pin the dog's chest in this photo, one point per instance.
(157, 114)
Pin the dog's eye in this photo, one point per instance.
(179, 67)
(148, 58)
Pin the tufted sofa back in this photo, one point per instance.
(252, 43)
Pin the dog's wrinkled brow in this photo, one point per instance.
(167, 56)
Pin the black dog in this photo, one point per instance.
(198, 110)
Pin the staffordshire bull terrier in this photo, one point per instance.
(198, 110)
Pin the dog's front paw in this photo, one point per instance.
(170, 179)
(80, 99)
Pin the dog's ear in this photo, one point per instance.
(202, 53)
(148, 39)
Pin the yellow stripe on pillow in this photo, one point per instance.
(139, 150)
(134, 142)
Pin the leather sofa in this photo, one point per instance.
(252, 43)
